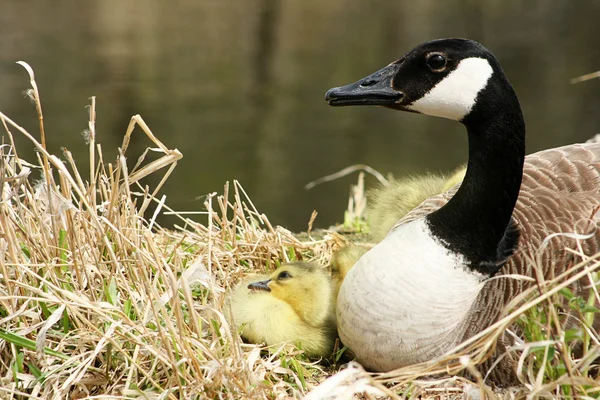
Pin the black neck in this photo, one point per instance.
(477, 222)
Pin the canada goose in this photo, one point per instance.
(293, 304)
(424, 289)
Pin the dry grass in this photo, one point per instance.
(97, 301)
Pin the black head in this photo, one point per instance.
(440, 78)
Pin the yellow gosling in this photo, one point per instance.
(391, 202)
(294, 304)
(388, 204)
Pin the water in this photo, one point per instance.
(238, 86)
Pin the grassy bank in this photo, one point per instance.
(96, 300)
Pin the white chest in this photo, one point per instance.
(406, 300)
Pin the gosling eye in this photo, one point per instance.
(284, 275)
(436, 62)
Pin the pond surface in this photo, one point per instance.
(238, 86)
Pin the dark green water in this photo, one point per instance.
(238, 86)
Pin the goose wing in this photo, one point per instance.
(560, 193)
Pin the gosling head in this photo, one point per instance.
(303, 286)
(442, 78)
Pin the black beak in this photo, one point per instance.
(261, 285)
(374, 90)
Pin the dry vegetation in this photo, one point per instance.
(97, 301)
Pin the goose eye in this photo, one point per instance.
(284, 275)
(436, 61)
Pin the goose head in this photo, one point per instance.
(411, 298)
(441, 78)
(304, 286)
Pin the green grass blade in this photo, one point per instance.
(21, 341)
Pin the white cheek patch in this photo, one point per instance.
(454, 96)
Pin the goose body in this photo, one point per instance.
(425, 288)
(294, 304)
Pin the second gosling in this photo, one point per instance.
(388, 204)
(294, 304)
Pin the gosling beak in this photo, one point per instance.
(260, 285)
(374, 90)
